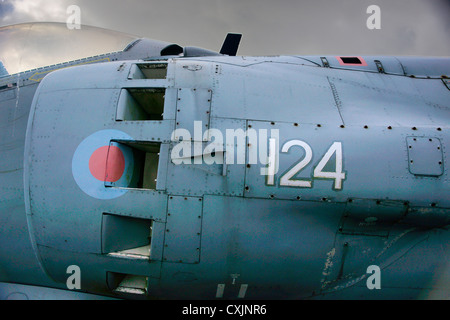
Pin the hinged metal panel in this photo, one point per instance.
(425, 156)
(368, 99)
(193, 105)
(274, 92)
(183, 230)
(210, 178)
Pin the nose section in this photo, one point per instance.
(94, 181)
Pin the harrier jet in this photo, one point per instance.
(139, 169)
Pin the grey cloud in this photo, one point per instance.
(6, 7)
(408, 27)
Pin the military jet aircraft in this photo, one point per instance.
(139, 169)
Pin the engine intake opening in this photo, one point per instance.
(141, 104)
(148, 71)
(126, 237)
(144, 171)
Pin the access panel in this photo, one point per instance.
(425, 156)
(183, 230)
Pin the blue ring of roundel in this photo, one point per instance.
(80, 165)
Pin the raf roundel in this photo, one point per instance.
(98, 163)
(107, 163)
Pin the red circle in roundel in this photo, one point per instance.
(111, 171)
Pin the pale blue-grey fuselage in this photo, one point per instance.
(225, 177)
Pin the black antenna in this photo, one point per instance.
(231, 44)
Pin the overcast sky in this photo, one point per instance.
(269, 27)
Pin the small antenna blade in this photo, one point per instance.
(231, 44)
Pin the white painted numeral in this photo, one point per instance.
(337, 175)
(286, 178)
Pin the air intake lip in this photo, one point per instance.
(172, 50)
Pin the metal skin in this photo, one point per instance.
(379, 125)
